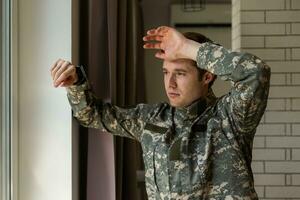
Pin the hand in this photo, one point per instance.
(168, 40)
(63, 73)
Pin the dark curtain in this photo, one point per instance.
(127, 88)
(111, 49)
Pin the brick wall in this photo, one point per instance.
(270, 29)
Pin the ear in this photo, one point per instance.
(208, 77)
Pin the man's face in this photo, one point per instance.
(182, 82)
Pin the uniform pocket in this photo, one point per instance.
(161, 169)
(198, 161)
(159, 156)
(196, 158)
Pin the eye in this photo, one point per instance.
(180, 74)
(165, 72)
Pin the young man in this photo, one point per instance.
(198, 146)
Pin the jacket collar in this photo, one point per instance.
(196, 108)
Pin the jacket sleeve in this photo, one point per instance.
(91, 112)
(247, 99)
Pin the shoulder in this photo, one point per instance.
(143, 111)
(150, 111)
(220, 105)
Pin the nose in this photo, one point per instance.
(172, 82)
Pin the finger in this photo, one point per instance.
(66, 83)
(62, 84)
(56, 68)
(151, 31)
(152, 46)
(158, 31)
(54, 65)
(162, 30)
(57, 71)
(61, 69)
(64, 76)
(160, 55)
(153, 38)
(69, 77)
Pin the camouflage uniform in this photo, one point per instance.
(202, 151)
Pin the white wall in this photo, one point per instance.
(44, 33)
(270, 29)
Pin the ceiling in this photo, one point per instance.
(207, 1)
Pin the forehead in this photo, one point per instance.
(181, 64)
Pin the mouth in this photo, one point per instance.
(173, 95)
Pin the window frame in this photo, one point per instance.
(8, 100)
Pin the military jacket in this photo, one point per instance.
(202, 151)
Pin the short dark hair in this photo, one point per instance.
(201, 39)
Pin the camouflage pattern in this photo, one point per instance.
(202, 151)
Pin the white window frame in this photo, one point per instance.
(8, 101)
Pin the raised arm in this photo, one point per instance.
(247, 99)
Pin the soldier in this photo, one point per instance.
(196, 146)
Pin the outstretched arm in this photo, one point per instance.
(92, 112)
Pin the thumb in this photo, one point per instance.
(160, 55)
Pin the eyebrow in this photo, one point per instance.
(176, 70)
(180, 70)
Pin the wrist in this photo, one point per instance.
(80, 75)
(190, 49)
(75, 78)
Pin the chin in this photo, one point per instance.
(176, 104)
